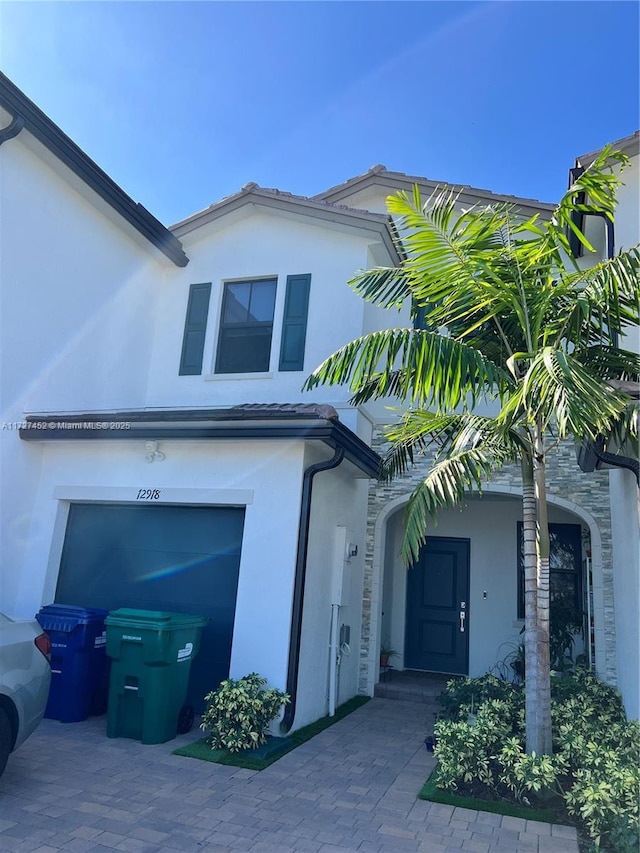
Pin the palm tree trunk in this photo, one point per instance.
(530, 562)
(543, 549)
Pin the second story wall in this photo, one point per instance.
(77, 292)
(246, 265)
(627, 217)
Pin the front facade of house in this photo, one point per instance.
(158, 451)
(461, 609)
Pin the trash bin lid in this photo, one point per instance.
(66, 617)
(74, 610)
(153, 620)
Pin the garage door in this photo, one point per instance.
(178, 558)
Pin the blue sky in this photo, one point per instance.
(183, 103)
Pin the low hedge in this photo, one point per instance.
(595, 767)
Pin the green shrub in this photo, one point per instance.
(239, 712)
(466, 750)
(602, 751)
(596, 764)
(462, 754)
(606, 780)
(585, 701)
(522, 772)
(461, 694)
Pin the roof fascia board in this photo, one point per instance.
(85, 428)
(629, 145)
(59, 144)
(399, 181)
(361, 221)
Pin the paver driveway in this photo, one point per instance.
(351, 788)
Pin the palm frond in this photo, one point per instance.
(602, 299)
(445, 486)
(626, 430)
(609, 362)
(420, 430)
(410, 438)
(557, 390)
(446, 250)
(468, 449)
(387, 287)
(593, 191)
(412, 365)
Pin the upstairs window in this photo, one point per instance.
(246, 326)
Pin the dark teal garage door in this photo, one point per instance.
(178, 558)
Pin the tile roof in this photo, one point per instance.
(630, 145)
(380, 175)
(319, 209)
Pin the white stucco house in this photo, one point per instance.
(157, 450)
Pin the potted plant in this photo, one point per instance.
(386, 653)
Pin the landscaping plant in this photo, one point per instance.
(595, 770)
(238, 713)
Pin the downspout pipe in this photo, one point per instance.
(616, 460)
(12, 129)
(299, 583)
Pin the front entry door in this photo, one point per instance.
(437, 622)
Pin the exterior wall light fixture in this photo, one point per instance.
(153, 454)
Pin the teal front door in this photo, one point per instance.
(437, 621)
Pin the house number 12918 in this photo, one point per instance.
(148, 495)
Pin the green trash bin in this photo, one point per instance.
(151, 653)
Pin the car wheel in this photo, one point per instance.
(5, 739)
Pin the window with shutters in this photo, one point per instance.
(245, 331)
(195, 329)
(246, 326)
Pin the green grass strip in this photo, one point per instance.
(202, 751)
(431, 792)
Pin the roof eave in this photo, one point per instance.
(61, 146)
(377, 223)
(229, 424)
(629, 145)
(398, 180)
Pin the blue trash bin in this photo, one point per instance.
(79, 681)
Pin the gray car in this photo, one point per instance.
(25, 675)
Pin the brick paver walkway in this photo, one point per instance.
(351, 788)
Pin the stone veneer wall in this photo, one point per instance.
(565, 480)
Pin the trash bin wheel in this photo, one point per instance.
(185, 719)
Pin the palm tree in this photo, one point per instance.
(507, 317)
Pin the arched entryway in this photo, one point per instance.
(419, 612)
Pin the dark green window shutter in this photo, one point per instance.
(195, 329)
(419, 317)
(294, 322)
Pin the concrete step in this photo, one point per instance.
(411, 686)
